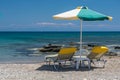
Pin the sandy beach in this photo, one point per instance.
(40, 71)
(77, 31)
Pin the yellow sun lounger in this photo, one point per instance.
(97, 52)
(65, 54)
(95, 55)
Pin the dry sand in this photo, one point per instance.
(40, 71)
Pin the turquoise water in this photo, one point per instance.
(14, 46)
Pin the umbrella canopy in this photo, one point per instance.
(82, 13)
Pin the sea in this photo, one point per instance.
(19, 47)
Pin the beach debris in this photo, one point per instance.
(112, 54)
(114, 50)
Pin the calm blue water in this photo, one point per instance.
(14, 46)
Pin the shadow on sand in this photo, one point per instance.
(61, 69)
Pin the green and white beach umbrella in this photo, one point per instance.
(82, 14)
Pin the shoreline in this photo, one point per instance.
(40, 71)
(16, 46)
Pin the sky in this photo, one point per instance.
(36, 15)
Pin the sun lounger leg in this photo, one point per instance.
(104, 64)
(89, 64)
(55, 66)
(77, 64)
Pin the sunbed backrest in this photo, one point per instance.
(97, 52)
(66, 53)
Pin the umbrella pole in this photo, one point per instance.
(80, 37)
(80, 50)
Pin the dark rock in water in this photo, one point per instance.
(117, 47)
(56, 50)
(46, 50)
(92, 45)
(50, 48)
